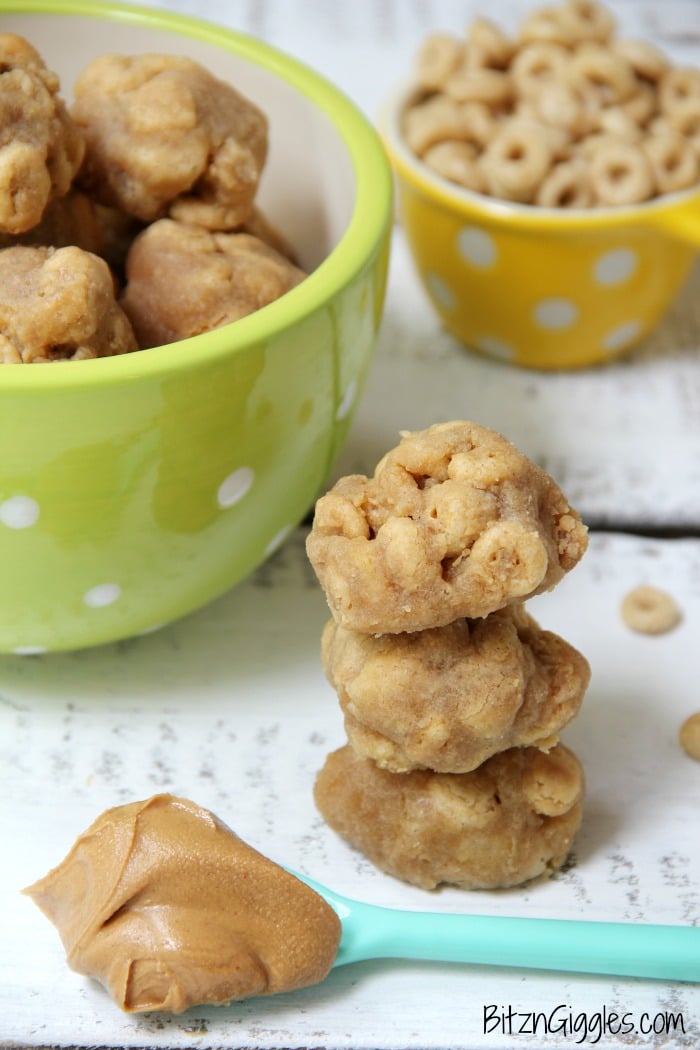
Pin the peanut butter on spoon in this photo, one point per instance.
(164, 905)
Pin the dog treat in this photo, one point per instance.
(455, 522)
(70, 220)
(650, 610)
(58, 304)
(164, 905)
(507, 822)
(183, 280)
(689, 736)
(156, 169)
(565, 70)
(447, 699)
(453, 696)
(40, 147)
(164, 136)
(118, 232)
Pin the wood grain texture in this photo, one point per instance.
(230, 707)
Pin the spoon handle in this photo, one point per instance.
(623, 949)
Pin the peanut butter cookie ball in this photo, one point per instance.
(507, 822)
(183, 280)
(455, 522)
(69, 220)
(164, 136)
(40, 147)
(449, 698)
(57, 304)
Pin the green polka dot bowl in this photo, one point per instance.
(540, 287)
(135, 489)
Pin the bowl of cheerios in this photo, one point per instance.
(194, 240)
(548, 184)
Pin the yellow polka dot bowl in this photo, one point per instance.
(538, 287)
(135, 489)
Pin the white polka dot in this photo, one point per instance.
(555, 313)
(622, 335)
(235, 486)
(278, 539)
(615, 267)
(496, 347)
(441, 291)
(347, 402)
(477, 247)
(29, 650)
(101, 595)
(19, 512)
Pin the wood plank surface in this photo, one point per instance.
(230, 708)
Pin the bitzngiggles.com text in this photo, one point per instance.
(579, 1026)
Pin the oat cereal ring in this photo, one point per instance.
(456, 161)
(650, 610)
(537, 65)
(479, 123)
(490, 42)
(642, 105)
(621, 173)
(526, 108)
(645, 59)
(676, 85)
(558, 139)
(546, 25)
(674, 162)
(510, 820)
(587, 20)
(684, 119)
(689, 736)
(610, 74)
(614, 120)
(434, 120)
(586, 147)
(516, 160)
(493, 87)
(559, 105)
(659, 125)
(567, 185)
(438, 58)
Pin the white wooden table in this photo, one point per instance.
(230, 706)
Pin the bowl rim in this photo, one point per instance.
(456, 198)
(372, 212)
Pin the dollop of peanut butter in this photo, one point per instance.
(164, 905)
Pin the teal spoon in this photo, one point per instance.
(572, 945)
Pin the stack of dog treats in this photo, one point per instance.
(453, 696)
